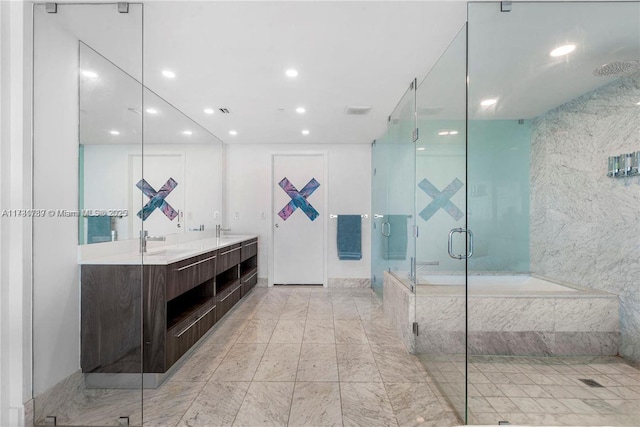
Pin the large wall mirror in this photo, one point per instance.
(140, 158)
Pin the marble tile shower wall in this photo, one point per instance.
(585, 225)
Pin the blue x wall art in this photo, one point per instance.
(157, 199)
(298, 199)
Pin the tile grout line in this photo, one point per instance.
(337, 366)
(295, 380)
(250, 382)
(384, 385)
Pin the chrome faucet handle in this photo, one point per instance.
(219, 229)
(144, 238)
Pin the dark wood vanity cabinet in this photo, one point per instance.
(178, 303)
(248, 265)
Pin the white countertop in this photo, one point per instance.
(169, 254)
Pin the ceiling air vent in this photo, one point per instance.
(224, 110)
(357, 110)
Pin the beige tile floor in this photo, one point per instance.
(296, 356)
(541, 391)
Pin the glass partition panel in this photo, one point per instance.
(553, 95)
(379, 201)
(86, 309)
(398, 241)
(440, 210)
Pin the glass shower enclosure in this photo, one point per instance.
(515, 291)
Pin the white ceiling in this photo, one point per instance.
(234, 54)
(509, 53)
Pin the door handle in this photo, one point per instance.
(469, 253)
(277, 225)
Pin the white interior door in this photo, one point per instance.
(298, 190)
(164, 196)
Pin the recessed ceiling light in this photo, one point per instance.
(305, 132)
(420, 148)
(168, 74)
(151, 111)
(291, 72)
(114, 132)
(90, 74)
(488, 102)
(209, 110)
(637, 103)
(300, 110)
(187, 132)
(563, 50)
(453, 132)
(233, 132)
(443, 132)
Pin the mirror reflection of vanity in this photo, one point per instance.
(138, 151)
(146, 166)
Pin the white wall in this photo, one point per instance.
(56, 304)
(248, 192)
(15, 233)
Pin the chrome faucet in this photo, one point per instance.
(219, 229)
(144, 238)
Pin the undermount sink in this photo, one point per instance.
(167, 252)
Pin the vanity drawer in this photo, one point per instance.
(228, 257)
(189, 273)
(184, 335)
(249, 249)
(226, 299)
(249, 281)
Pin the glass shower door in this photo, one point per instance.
(87, 273)
(440, 178)
(398, 232)
(554, 91)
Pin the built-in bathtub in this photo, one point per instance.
(516, 315)
(493, 284)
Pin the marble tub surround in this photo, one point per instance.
(312, 356)
(577, 321)
(399, 308)
(583, 223)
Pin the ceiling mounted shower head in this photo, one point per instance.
(617, 69)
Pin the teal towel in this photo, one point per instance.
(98, 229)
(349, 237)
(395, 246)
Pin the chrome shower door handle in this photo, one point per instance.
(388, 233)
(450, 243)
(470, 253)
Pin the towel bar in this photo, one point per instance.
(334, 216)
